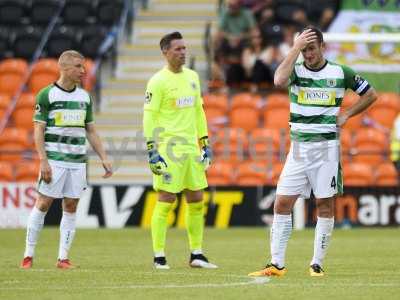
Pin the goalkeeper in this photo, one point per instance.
(175, 129)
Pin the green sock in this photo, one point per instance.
(195, 224)
(159, 225)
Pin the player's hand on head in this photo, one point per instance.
(304, 38)
(45, 171)
(156, 162)
(107, 165)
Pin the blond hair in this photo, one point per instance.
(66, 56)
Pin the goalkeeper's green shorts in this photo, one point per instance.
(188, 173)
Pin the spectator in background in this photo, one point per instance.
(255, 61)
(291, 12)
(395, 145)
(321, 12)
(235, 25)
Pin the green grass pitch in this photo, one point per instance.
(117, 264)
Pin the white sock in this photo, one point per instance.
(197, 251)
(323, 232)
(33, 228)
(280, 233)
(159, 254)
(67, 233)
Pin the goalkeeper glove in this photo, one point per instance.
(157, 163)
(206, 153)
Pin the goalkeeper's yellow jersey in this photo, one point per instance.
(174, 100)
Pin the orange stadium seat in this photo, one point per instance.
(267, 143)
(6, 171)
(370, 146)
(385, 109)
(13, 141)
(5, 101)
(250, 173)
(274, 173)
(89, 80)
(354, 122)
(357, 174)
(12, 72)
(345, 144)
(276, 111)
(216, 107)
(386, 175)
(24, 111)
(27, 171)
(44, 72)
(245, 111)
(220, 173)
(230, 143)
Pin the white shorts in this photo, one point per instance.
(65, 182)
(312, 166)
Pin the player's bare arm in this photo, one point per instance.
(362, 104)
(45, 170)
(97, 146)
(282, 73)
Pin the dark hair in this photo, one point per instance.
(317, 31)
(166, 40)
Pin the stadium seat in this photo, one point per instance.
(251, 173)
(89, 79)
(44, 72)
(41, 11)
(4, 43)
(276, 111)
(216, 107)
(61, 39)
(274, 173)
(6, 171)
(13, 141)
(109, 11)
(12, 12)
(345, 144)
(5, 100)
(370, 146)
(91, 39)
(357, 174)
(12, 72)
(267, 143)
(230, 144)
(385, 109)
(77, 12)
(26, 41)
(23, 113)
(27, 171)
(220, 173)
(244, 111)
(355, 122)
(386, 175)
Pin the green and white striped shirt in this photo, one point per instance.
(65, 113)
(315, 99)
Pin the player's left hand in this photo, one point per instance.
(206, 156)
(107, 165)
(341, 119)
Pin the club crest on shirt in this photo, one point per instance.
(147, 98)
(193, 85)
(331, 82)
(82, 105)
(167, 178)
(38, 109)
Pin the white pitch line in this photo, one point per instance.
(250, 281)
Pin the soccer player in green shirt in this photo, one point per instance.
(316, 90)
(175, 129)
(63, 121)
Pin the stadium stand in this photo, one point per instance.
(6, 171)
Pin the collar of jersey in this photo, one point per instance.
(64, 90)
(316, 70)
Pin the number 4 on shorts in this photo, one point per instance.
(333, 182)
